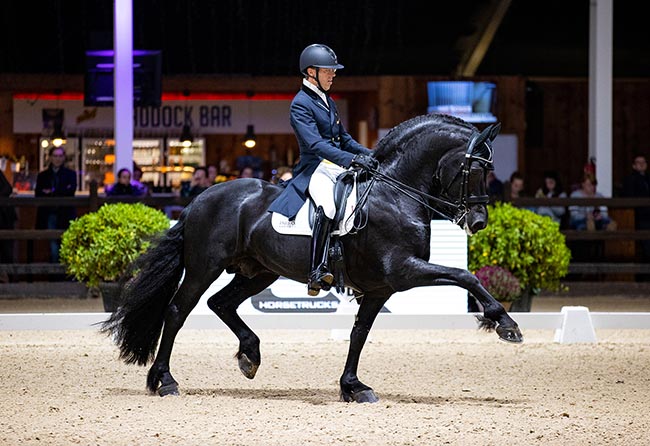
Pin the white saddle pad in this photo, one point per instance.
(300, 225)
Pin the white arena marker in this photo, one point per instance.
(576, 326)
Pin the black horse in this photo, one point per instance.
(432, 164)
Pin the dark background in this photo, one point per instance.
(265, 37)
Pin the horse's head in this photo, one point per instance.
(460, 178)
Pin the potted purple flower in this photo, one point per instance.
(501, 283)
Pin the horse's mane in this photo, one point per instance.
(396, 139)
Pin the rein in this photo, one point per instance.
(462, 206)
(421, 197)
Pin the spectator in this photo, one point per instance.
(55, 181)
(123, 186)
(136, 181)
(224, 168)
(494, 187)
(589, 217)
(7, 221)
(212, 174)
(514, 187)
(199, 181)
(552, 188)
(282, 175)
(247, 172)
(637, 184)
(225, 172)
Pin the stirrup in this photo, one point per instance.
(319, 280)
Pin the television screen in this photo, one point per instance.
(471, 101)
(147, 78)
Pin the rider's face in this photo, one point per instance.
(326, 77)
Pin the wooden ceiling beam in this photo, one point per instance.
(475, 46)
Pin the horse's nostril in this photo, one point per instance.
(477, 225)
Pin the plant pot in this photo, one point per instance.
(110, 292)
(524, 302)
(506, 304)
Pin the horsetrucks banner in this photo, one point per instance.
(448, 248)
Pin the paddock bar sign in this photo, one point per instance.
(206, 114)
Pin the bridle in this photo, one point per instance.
(479, 150)
(485, 159)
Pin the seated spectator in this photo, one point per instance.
(123, 186)
(247, 172)
(589, 217)
(494, 187)
(514, 187)
(282, 174)
(212, 173)
(552, 188)
(200, 181)
(141, 188)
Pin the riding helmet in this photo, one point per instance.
(319, 56)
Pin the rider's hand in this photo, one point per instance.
(366, 162)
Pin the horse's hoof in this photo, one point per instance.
(364, 396)
(510, 334)
(247, 367)
(168, 390)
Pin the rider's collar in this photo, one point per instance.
(316, 90)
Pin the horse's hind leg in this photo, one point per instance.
(225, 303)
(160, 378)
(351, 388)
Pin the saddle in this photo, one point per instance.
(345, 196)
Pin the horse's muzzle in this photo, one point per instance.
(477, 225)
(475, 220)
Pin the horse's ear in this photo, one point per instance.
(494, 130)
(485, 134)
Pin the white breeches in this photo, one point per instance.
(321, 186)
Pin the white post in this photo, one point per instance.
(600, 91)
(577, 326)
(123, 84)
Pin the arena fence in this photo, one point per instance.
(572, 325)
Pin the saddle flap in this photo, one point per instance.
(302, 224)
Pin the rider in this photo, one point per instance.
(326, 150)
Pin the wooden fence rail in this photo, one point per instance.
(34, 278)
(621, 209)
(617, 256)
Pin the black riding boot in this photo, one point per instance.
(320, 277)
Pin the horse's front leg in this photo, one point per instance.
(420, 273)
(351, 388)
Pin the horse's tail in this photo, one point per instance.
(146, 290)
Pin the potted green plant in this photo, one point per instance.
(98, 246)
(501, 283)
(528, 245)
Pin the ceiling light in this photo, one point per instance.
(249, 139)
(186, 136)
(58, 136)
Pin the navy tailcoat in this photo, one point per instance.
(320, 135)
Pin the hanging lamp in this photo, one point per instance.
(249, 138)
(186, 132)
(186, 136)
